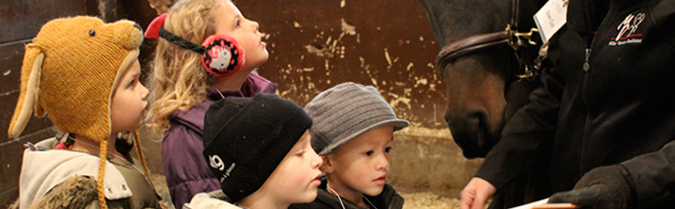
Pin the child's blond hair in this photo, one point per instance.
(178, 81)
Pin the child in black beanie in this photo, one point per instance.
(259, 149)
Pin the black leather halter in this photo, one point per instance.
(517, 40)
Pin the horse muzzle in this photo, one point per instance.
(472, 132)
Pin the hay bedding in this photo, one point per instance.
(426, 200)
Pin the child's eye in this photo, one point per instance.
(388, 149)
(368, 153)
(132, 83)
(301, 152)
(238, 22)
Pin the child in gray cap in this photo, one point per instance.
(353, 133)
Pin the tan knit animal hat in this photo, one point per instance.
(69, 73)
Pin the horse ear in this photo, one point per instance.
(30, 85)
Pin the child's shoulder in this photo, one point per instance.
(212, 200)
(388, 198)
(47, 168)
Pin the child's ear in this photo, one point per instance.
(327, 165)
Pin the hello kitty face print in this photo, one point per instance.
(223, 57)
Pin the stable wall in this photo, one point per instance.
(313, 45)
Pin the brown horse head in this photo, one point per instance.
(479, 68)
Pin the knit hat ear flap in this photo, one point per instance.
(30, 85)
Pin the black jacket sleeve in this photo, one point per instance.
(527, 134)
(654, 175)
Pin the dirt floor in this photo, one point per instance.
(427, 200)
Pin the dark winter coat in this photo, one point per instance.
(609, 99)
(388, 199)
(184, 165)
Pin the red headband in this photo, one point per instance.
(155, 25)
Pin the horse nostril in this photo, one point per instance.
(477, 118)
(473, 121)
(477, 123)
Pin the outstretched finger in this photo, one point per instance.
(479, 201)
(467, 199)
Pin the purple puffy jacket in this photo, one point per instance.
(187, 172)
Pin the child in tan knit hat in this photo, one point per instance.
(83, 75)
(206, 51)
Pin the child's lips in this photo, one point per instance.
(381, 179)
(316, 181)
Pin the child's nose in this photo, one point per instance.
(382, 162)
(144, 91)
(256, 26)
(316, 161)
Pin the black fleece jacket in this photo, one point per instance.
(388, 199)
(608, 99)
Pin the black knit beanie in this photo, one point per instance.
(245, 139)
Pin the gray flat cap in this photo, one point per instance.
(345, 111)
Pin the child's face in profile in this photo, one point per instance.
(361, 165)
(230, 21)
(296, 178)
(128, 101)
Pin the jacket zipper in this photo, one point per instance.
(587, 67)
(587, 64)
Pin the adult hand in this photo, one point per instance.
(602, 187)
(476, 192)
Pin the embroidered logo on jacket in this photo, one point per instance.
(627, 30)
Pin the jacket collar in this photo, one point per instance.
(387, 199)
(585, 16)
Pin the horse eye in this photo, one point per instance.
(92, 32)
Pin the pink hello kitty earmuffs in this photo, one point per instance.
(221, 54)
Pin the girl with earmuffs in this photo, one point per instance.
(206, 52)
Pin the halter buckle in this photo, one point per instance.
(515, 36)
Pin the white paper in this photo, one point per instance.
(544, 204)
(532, 204)
(550, 18)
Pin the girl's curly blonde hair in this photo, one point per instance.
(177, 81)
